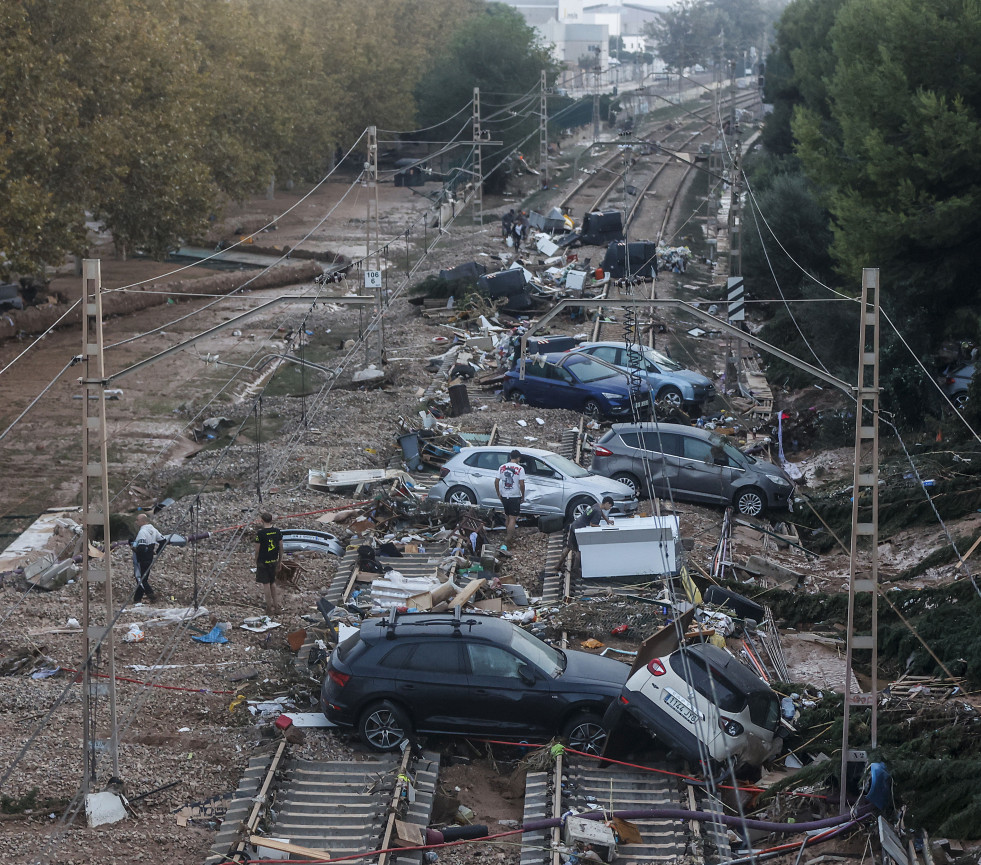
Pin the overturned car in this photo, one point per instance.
(702, 705)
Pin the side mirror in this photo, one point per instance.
(526, 674)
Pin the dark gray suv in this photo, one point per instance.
(690, 464)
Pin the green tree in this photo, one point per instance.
(498, 52)
(897, 163)
(711, 32)
(684, 34)
(798, 68)
(786, 234)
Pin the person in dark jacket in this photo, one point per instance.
(507, 223)
(589, 517)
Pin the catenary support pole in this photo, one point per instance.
(543, 133)
(99, 730)
(863, 564)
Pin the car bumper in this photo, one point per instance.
(625, 508)
(626, 409)
(669, 733)
(336, 712)
(781, 499)
(437, 492)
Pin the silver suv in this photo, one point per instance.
(690, 464)
(553, 484)
(667, 380)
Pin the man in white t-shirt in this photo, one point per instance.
(510, 487)
(147, 543)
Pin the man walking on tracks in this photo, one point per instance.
(268, 553)
(145, 546)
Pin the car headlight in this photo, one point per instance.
(613, 395)
(779, 481)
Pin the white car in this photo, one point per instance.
(553, 484)
(702, 704)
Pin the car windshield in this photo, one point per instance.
(537, 653)
(662, 361)
(587, 370)
(567, 467)
(735, 455)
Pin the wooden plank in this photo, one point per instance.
(285, 847)
(467, 593)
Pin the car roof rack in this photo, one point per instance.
(392, 619)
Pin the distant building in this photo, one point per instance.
(581, 29)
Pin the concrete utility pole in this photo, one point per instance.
(865, 520)
(98, 653)
(372, 259)
(478, 173)
(543, 135)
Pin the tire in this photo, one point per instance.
(750, 502)
(630, 480)
(576, 507)
(959, 400)
(517, 396)
(384, 726)
(592, 409)
(460, 496)
(585, 732)
(670, 395)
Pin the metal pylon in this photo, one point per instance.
(372, 255)
(478, 168)
(99, 729)
(863, 565)
(543, 134)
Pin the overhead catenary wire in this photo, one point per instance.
(50, 328)
(236, 536)
(37, 399)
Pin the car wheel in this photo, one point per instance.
(460, 496)
(517, 397)
(750, 502)
(959, 400)
(585, 732)
(384, 726)
(671, 396)
(628, 479)
(577, 507)
(592, 409)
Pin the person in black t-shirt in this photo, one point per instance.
(589, 517)
(268, 553)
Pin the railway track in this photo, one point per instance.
(327, 808)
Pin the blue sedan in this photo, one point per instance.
(667, 379)
(579, 383)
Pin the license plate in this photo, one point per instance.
(680, 706)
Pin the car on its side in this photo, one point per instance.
(666, 379)
(473, 675)
(688, 463)
(956, 383)
(577, 382)
(702, 704)
(553, 483)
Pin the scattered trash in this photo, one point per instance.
(258, 624)
(215, 635)
(134, 634)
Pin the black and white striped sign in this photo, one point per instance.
(737, 299)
